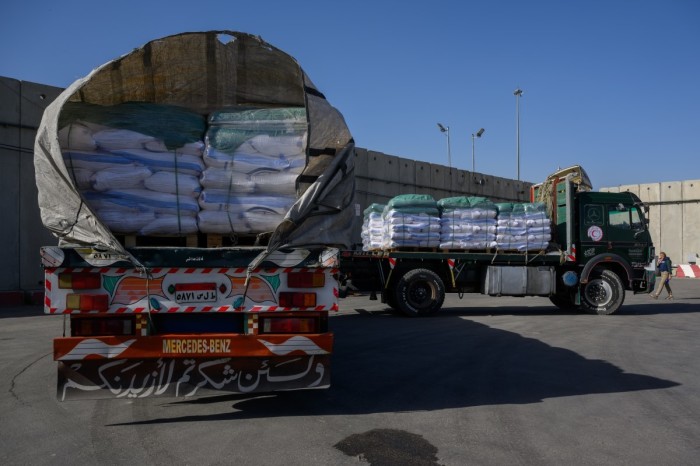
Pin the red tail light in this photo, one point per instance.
(306, 279)
(87, 302)
(291, 299)
(79, 281)
(86, 327)
(289, 325)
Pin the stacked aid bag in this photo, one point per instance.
(522, 227)
(253, 157)
(467, 223)
(372, 227)
(136, 164)
(411, 220)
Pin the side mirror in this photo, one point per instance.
(644, 207)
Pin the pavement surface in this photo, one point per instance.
(487, 381)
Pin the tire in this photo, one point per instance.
(564, 301)
(419, 292)
(603, 294)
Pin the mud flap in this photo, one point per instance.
(182, 377)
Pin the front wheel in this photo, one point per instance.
(603, 294)
(419, 292)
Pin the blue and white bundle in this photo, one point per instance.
(227, 213)
(467, 223)
(372, 227)
(523, 227)
(250, 221)
(411, 220)
(251, 155)
(137, 165)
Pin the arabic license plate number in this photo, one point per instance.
(192, 293)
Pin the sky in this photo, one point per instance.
(611, 85)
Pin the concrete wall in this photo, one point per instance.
(22, 105)
(674, 216)
(674, 207)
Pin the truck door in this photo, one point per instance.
(613, 227)
(627, 234)
(592, 234)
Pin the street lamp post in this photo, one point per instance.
(474, 136)
(446, 130)
(517, 93)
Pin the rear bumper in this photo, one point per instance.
(189, 365)
(191, 346)
(168, 377)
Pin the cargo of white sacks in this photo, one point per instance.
(456, 223)
(215, 132)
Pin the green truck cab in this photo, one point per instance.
(608, 244)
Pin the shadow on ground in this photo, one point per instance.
(403, 365)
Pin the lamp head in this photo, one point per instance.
(480, 132)
(442, 128)
(518, 92)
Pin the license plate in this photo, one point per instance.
(189, 293)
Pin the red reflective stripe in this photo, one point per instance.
(688, 271)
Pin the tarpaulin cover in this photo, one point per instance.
(205, 72)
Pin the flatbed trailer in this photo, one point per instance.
(601, 249)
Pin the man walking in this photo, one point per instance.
(664, 266)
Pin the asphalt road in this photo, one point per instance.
(488, 381)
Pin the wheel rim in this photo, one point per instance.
(421, 295)
(598, 292)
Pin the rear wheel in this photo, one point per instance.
(419, 292)
(603, 294)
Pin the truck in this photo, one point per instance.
(600, 248)
(178, 270)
